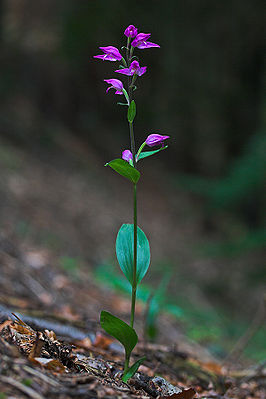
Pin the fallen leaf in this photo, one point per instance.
(212, 367)
(5, 324)
(187, 394)
(55, 365)
(21, 327)
(101, 341)
(43, 361)
(36, 347)
(84, 343)
(50, 364)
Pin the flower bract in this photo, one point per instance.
(127, 155)
(155, 139)
(134, 68)
(115, 84)
(131, 31)
(111, 53)
(141, 42)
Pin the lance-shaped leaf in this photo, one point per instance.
(133, 369)
(131, 113)
(125, 252)
(124, 169)
(120, 330)
(146, 154)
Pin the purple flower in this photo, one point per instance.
(133, 69)
(111, 53)
(155, 139)
(141, 42)
(127, 155)
(131, 31)
(115, 84)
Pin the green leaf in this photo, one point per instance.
(132, 370)
(125, 252)
(131, 113)
(146, 154)
(120, 330)
(124, 169)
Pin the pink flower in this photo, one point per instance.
(111, 53)
(155, 139)
(133, 69)
(141, 42)
(131, 31)
(127, 155)
(115, 84)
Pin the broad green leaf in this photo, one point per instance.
(131, 113)
(120, 330)
(155, 305)
(124, 169)
(146, 154)
(132, 370)
(125, 252)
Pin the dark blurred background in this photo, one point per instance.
(202, 201)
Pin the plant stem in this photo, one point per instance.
(133, 150)
(132, 143)
(134, 284)
(126, 365)
(140, 149)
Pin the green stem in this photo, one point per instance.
(126, 96)
(134, 283)
(124, 62)
(132, 142)
(126, 364)
(140, 149)
(133, 150)
(131, 52)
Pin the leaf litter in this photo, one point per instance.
(56, 349)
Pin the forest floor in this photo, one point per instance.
(51, 342)
(52, 346)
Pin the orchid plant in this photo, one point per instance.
(132, 245)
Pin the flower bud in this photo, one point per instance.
(131, 31)
(155, 139)
(127, 155)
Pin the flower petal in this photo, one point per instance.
(106, 57)
(139, 38)
(111, 53)
(115, 84)
(144, 44)
(125, 71)
(141, 71)
(111, 50)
